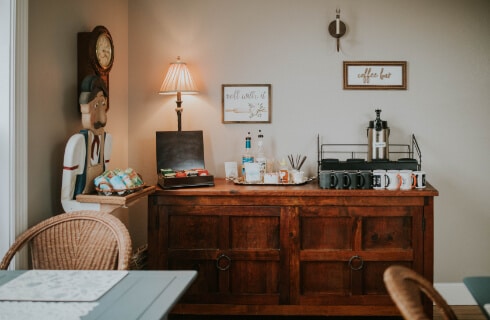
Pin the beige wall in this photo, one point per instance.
(284, 43)
(53, 102)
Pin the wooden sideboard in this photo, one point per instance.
(289, 250)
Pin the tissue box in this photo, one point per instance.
(181, 150)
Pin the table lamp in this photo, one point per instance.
(178, 81)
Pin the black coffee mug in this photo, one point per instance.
(327, 180)
(353, 179)
(341, 180)
(366, 179)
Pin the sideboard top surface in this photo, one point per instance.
(223, 187)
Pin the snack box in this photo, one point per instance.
(181, 151)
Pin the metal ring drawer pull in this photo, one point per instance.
(227, 263)
(351, 260)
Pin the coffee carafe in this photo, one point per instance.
(378, 134)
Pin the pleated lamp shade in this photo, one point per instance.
(178, 79)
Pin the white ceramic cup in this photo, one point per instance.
(298, 176)
(379, 179)
(408, 180)
(271, 178)
(419, 179)
(394, 180)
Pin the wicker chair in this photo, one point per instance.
(404, 286)
(79, 240)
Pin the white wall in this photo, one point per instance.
(286, 43)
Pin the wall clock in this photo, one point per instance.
(101, 50)
(95, 54)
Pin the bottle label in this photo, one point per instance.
(252, 172)
(284, 175)
(246, 159)
(263, 163)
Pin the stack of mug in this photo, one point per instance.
(398, 179)
(376, 179)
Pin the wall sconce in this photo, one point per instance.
(178, 81)
(337, 28)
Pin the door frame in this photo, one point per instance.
(14, 134)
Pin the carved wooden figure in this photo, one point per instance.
(87, 152)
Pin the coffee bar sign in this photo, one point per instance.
(375, 75)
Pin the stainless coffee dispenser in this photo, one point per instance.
(378, 134)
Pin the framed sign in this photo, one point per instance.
(246, 103)
(375, 75)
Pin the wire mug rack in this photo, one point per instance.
(343, 156)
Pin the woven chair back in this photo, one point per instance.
(405, 287)
(80, 240)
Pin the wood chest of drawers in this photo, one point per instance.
(289, 250)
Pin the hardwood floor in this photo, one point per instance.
(462, 312)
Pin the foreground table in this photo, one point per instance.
(139, 295)
(479, 287)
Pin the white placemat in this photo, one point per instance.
(487, 307)
(60, 285)
(25, 310)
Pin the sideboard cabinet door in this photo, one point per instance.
(343, 252)
(235, 249)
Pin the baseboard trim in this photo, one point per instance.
(456, 294)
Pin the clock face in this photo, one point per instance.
(103, 50)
